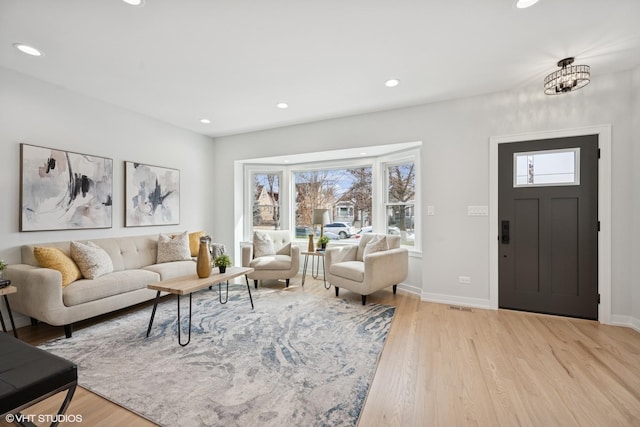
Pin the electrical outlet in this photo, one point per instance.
(464, 279)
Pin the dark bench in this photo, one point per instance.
(29, 375)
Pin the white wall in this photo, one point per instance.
(38, 113)
(455, 171)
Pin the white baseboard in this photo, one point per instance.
(414, 290)
(627, 321)
(456, 300)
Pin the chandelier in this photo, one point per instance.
(568, 78)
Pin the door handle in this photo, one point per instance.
(505, 232)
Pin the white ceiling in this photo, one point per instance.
(232, 61)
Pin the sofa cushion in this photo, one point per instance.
(173, 248)
(273, 262)
(352, 270)
(377, 244)
(169, 270)
(194, 242)
(56, 259)
(118, 282)
(262, 244)
(92, 260)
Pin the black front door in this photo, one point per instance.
(548, 243)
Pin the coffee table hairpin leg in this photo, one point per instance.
(153, 313)
(220, 293)
(246, 278)
(180, 323)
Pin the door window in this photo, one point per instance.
(546, 168)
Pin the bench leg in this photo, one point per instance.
(68, 330)
(65, 404)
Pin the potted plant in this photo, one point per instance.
(222, 261)
(322, 242)
(3, 265)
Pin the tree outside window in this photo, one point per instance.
(345, 192)
(400, 204)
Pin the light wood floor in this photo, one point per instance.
(448, 367)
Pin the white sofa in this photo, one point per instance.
(283, 263)
(348, 267)
(41, 295)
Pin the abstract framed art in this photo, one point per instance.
(63, 190)
(152, 195)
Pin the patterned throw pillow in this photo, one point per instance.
(377, 244)
(56, 259)
(92, 259)
(173, 248)
(262, 245)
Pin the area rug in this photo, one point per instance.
(296, 359)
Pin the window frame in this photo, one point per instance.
(576, 167)
(287, 194)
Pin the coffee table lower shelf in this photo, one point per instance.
(187, 285)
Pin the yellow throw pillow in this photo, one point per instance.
(194, 242)
(56, 259)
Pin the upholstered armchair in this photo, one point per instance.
(375, 263)
(272, 256)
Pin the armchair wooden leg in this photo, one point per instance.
(395, 287)
(337, 290)
(255, 284)
(287, 285)
(364, 300)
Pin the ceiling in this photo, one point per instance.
(232, 61)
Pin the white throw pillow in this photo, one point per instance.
(173, 247)
(377, 244)
(92, 260)
(262, 245)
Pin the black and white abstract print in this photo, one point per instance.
(152, 195)
(64, 190)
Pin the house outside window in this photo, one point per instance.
(266, 201)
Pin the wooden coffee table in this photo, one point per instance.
(187, 285)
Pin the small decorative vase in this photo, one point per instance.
(324, 246)
(203, 265)
(310, 248)
(223, 269)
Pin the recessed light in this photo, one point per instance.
(134, 2)
(392, 83)
(282, 105)
(287, 161)
(205, 121)
(523, 4)
(29, 50)
(363, 154)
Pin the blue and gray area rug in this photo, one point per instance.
(296, 360)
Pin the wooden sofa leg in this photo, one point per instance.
(287, 283)
(34, 322)
(395, 288)
(255, 284)
(68, 330)
(337, 290)
(364, 300)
